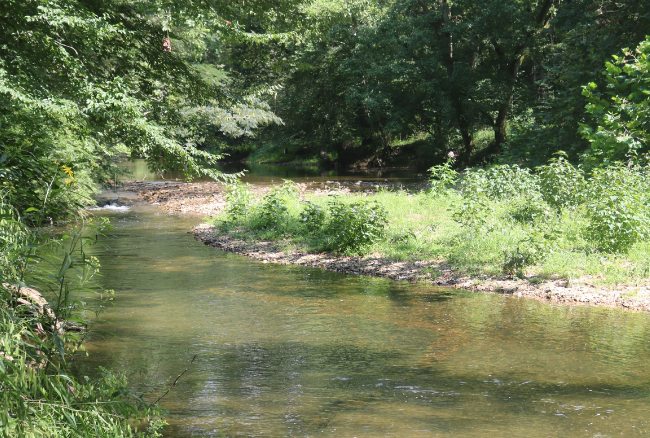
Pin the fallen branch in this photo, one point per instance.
(175, 381)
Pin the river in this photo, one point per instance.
(294, 351)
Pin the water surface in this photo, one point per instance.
(294, 351)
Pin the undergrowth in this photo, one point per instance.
(39, 395)
(555, 221)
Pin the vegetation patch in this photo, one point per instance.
(555, 223)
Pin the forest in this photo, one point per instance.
(531, 116)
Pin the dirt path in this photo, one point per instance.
(209, 199)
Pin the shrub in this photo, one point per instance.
(480, 187)
(273, 212)
(313, 217)
(240, 200)
(621, 111)
(527, 211)
(618, 208)
(499, 182)
(516, 262)
(353, 227)
(443, 176)
(562, 185)
(288, 189)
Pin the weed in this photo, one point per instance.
(272, 212)
(352, 227)
(240, 200)
(313, 217)
(443, 176)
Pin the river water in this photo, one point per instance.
(294, 351)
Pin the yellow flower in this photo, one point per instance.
(70, 173)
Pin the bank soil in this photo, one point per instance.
(209, 199)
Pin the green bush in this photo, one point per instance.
(618, 207)
(288, 189)
(528, 211)
(272, 213)
(621, 112)
(515, 262)
(499, 182)
(240, 200)
(443, 176)
(562, 185)
(480, 188)
(312, 217)
(353, 227)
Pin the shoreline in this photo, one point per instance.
(208, 199)
(553, 291)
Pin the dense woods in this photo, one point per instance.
(379, 83)
(491, 81)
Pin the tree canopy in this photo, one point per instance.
(489, 80)
(83, 81)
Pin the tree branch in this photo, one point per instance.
(175, 381)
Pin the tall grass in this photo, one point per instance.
(39, 397)
(556, 221)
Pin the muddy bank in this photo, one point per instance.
(209, 199)
(433, 272)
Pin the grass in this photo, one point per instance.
(422, 226)
(39, 394)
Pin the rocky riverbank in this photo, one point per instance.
(434, 272)
(209, 199)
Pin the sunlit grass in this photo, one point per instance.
(423, 227)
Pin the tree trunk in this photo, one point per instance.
(464, 127)
(501, 122)
(500, 125)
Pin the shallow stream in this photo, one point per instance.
(294, 351)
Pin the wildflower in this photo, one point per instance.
(451, 154)
(70, 173)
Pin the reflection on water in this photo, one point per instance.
(267, 174)
(293, 351)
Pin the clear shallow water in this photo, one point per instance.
(292, 351)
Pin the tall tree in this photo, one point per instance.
(83, 80)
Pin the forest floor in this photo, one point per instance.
(208, 199)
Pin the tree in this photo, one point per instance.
(622, 110)
(82, 81)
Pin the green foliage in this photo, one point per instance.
(528, 210)
(562, 184)
(272, 212)
(479, 187)
(516, 262)
(240, 200)
(618, 207)
(622, 111)
(121, 78)
(443, 176)
(288, 189)
(313, 217)
(520, 235)
(353, 227)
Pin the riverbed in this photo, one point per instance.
(297, 351)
